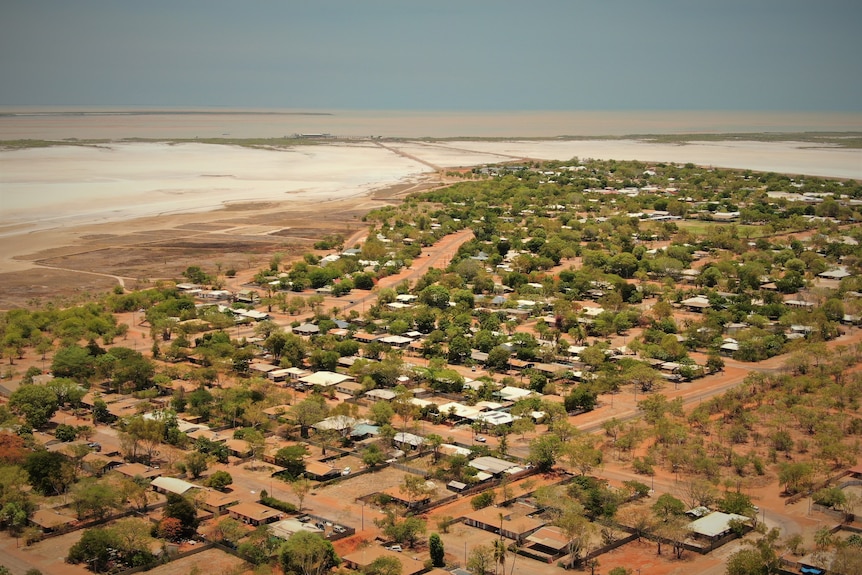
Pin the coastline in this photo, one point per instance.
(61, 188)
(80, 209)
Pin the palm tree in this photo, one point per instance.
(500, 554)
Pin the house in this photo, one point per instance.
(238, 448)
(547, 543)
(276, 411)
(50, 520)
(402, 498)
(96, 463)
(492, 519)
(306, 330)
(217, 502)
(172, 485)
(360, 560)
(263, 368)
(495, 418)
(696, 304)
(340, 423)
(351, 388)
(247, 296)
(510, 393)
(254, 513)
(278, 375)
(286, 527)
(715, 525)
(458, 411)
(138, 470)
(396, 341)
(381, 394)
(408, 440)
(835, 274)
(494, 465)
(728, 347)
(363, 337)
(364, 431)
(320, 471)
(324, 379)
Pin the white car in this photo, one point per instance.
(480, 439)
(345, 471)
(395, 548)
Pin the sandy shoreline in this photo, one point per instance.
(52, 197)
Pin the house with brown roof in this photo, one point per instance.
(138, 470)
(254, 513)
(320, 471)
(362, 558)
(547, 543)
(217, 502)
(238, 448)
(517, 528)
(400, 497)
(49, 520)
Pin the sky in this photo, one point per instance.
(488, 55)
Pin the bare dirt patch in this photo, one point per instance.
(241, 236)
(211, 562)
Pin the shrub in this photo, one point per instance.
(483, 500)
(277, 503)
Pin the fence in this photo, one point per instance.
(797, 496)
(174, 557)
(89, 523)
(408, 469)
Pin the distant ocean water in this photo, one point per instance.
(166, 123)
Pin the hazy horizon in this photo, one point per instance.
(447, 55)
(119, 123)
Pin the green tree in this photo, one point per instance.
(93, 498)
(373, 456)
(307, 553)
(385, 565)
(181, 509)
(667, 506)
(308, 412)
(544, 451)
(50, 472)
(437, 551)
(292, 459)
(219, 480)
(381, 413)
(94, 549)
(74, 362)
(301, 488)
(35, 403)
(196, 464)
(481, 560)
(484, 499)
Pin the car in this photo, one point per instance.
(320, 525)
(339, 529)
(95, 446)
(395, 548)
(304, 519)
(345, 471)
(480, 439)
